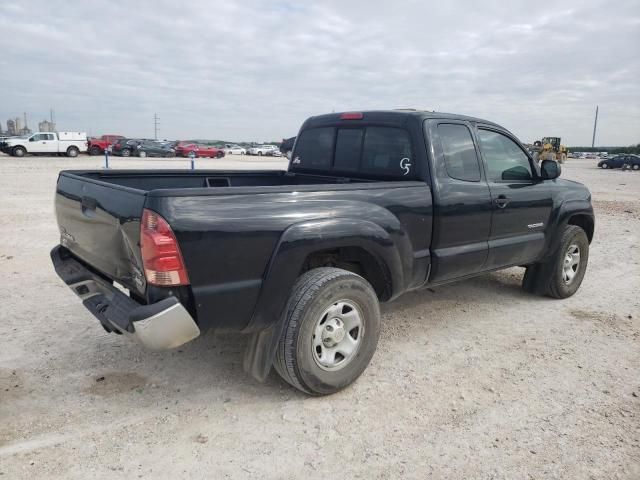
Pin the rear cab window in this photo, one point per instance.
(370, 151)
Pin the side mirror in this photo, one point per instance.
(32, 139)
(550, 169)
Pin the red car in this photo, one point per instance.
(97, 146)
(184, 149)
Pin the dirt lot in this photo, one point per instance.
(473, 380)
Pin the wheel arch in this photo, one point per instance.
(583, 221)
(307, 245)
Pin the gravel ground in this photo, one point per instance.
(472, 380)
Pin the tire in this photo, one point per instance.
(604, 166)
(126, 152)
(259, 154)
(95, 150)
(219, 154)
(636, 166)
(19, 152)
(551, 278)
(170, 155)
(72, 152)
(563, 158)
(142, 154)
(321, 299)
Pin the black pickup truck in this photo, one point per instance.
(373, 204)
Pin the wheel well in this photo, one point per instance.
(356, 260)
(585, 222)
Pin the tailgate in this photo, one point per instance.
(100, 224)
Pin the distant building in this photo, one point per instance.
(18, 123)
(46, 126)
(11, 127)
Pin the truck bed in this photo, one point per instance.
(146, 180)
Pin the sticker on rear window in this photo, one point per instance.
(405, 165)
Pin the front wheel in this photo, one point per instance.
(126, 152)
(142, 154)
(636, 166)
(19, 152)
(332, 326)
(95, 150)
(72, 152)
(605, 165)
(562, 275)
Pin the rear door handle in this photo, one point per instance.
(502, 201)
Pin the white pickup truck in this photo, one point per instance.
(68, 143)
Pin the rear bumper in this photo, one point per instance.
(158, 326)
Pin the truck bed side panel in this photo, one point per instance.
(227, 241)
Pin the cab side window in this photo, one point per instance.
(504, 159)
(460, 157)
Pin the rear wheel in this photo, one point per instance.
(259, 154)
(605, 165)
(170, 154)
(562, 275)
(142, 154)
(95, 150)
(636, 166)
(126, 152)
(219, 154)
(19, 152)
(72, 152)
(332, 326)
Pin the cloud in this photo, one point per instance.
(255, 70)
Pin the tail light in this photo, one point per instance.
(161, 256)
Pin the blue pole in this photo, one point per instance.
(106, 158)
(193, 161)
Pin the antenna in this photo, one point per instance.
(595, 125)
(155, 125)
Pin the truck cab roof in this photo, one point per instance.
(397, 117)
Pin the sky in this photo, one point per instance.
(254, 70)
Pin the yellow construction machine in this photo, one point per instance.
(549, 148)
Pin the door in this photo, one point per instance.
(462, 203)
(43, 143)
(521, 201)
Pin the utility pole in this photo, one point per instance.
(155, 125)
(595, 124)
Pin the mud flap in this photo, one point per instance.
(261, 350)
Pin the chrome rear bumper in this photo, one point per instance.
(158, 326)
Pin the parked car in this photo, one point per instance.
(273, 153)
(155, 149)
(619, 161)
(200, 151)
(286, 147)
(70, 144)
(125, 147)
(262, 149)
(97, 146)
(300, 260)
(234, 150)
